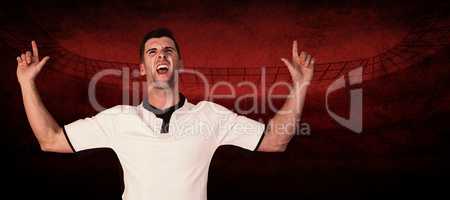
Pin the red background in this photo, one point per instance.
(403, 48)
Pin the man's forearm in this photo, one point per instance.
(43, 124)
(283, 125)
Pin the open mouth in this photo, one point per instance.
(162, 69)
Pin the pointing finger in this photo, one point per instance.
(295, 52)
(35, 49)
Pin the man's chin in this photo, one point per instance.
(162, 81)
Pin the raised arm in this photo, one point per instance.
(281, 128)
(49, 134)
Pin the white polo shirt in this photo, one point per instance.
(165, 166)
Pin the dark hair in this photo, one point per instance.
(157, 33)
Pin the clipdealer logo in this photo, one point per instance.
(354, 122)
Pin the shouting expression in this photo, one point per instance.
(160, 62)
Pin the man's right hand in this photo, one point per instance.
(29, 65)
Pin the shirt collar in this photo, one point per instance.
(171, 109)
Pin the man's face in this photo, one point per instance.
(160, 62)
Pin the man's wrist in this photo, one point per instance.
(301, 85)
(27, 84)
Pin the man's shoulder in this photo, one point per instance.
(209, 106)
(120, 110)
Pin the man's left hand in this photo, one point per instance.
(301, 67)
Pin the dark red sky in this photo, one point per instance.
(233, 34)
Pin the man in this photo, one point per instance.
(165, 144)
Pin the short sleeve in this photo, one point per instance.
(238, 130)
(91, 132)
